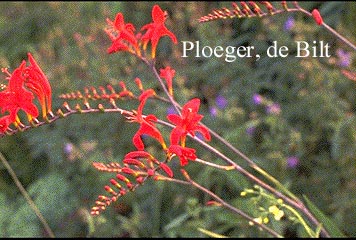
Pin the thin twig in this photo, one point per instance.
(26, 196)
(338, 35)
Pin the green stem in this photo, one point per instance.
(296, 213)
(252, 164)
(301, 220)
(230, 207)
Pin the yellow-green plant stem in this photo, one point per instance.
(296, 213)
(301, 220)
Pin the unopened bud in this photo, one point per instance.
(317, 17)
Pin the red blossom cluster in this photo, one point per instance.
(123, 35)
(27, 83)
(138, 165)
(186, 124)
(123, 38)
(23, 84)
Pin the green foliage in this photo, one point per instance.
(329, 225)
(47, 192)
(4, 212)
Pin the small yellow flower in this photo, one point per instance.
(278, 214)
(280, 201)
(259, 220)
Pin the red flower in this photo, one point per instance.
(156, 30)
(121, 34)
(317, 17)
(187, 123)
(168, 74)
(16, 97)
(146, 123)
(39, 84)
(183, 153)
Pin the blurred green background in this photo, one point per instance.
(293, 116)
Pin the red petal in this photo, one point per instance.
(122, 178)
(151, 118)
(166, 169)
(204, 131)
(183, 153)
(136, 154)
(143, 97)
(175, 119)
(132, 161)
(30, 108)
(117, 46)
(146, 94)
(158, 15)
(176, 135)
(191, 107)
(119, 22)
(138, 142)
(4, 123)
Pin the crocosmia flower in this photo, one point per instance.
(18, 95)
(156, 29)
(187, 123)
(146, 123)
(122, 35)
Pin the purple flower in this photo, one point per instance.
(221, 102)
(344, 58)
(171, 110)
(200, 136)
(289, 24)
(273, 109)
(213, 111)
(257, 99)
(68, 148)
(250, 131)
(292, 162)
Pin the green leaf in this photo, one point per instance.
(211, 234)
(329, 225)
